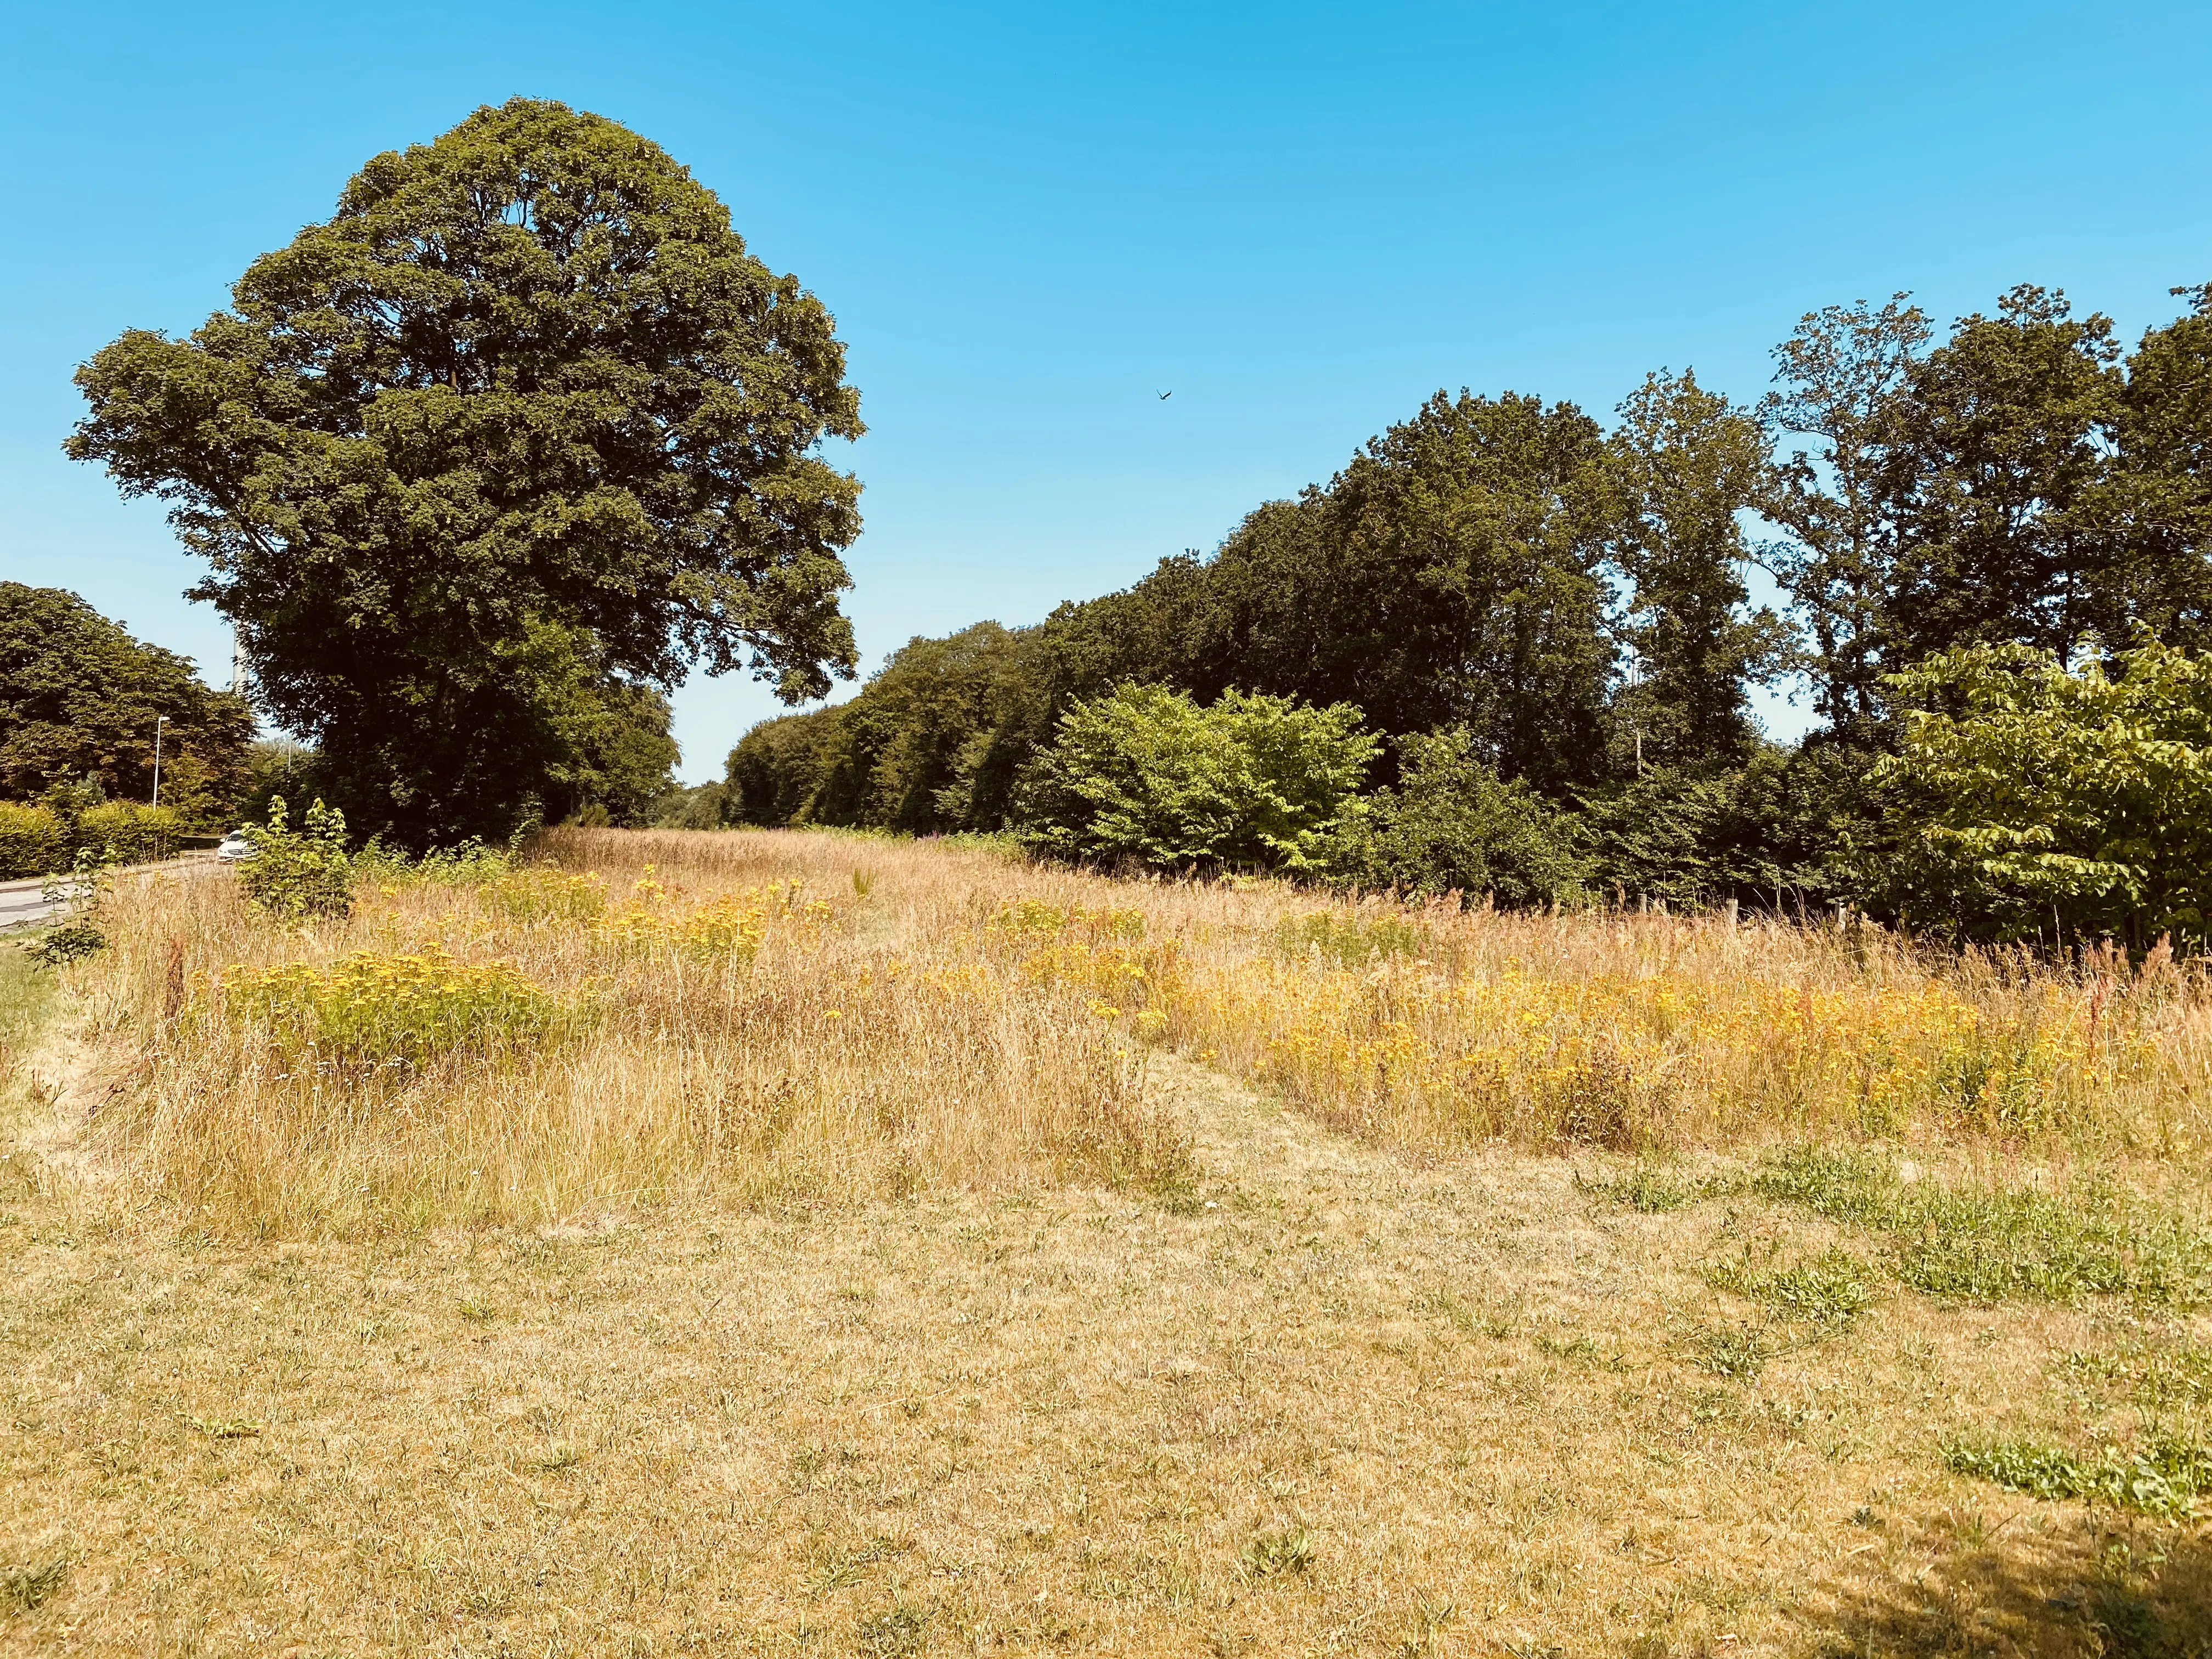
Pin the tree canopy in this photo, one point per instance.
(1553, 624)
(521, 432)
(80, 699)
(2053, 803)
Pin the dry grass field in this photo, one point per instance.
(795, 1243)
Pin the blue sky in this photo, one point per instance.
(1031, 221)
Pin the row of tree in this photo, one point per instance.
(86, 709)
(1573, 606)
(484, 464)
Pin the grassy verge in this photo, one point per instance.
(1966, 1239)
(543, 1262)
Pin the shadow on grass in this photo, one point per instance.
(2086, 1588)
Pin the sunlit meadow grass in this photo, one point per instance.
(1430, 1029)
(632, 1017)
(545, 1042)
(760, 1243)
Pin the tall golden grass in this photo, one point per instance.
(767, 1016)
(550, 1044)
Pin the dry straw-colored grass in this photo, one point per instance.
(885, 1265)
(767, 1017)
(548, 1043)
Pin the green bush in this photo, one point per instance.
(2044, 797)
(31, 841)
(1144, 775)
(40, 840)
(296, 873)
(124, 832)
(1787, 827)
(1453, 825)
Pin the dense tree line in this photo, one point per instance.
(1551, 622)
(80, 700)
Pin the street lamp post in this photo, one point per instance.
(160, 721)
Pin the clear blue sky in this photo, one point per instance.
(1030, 220)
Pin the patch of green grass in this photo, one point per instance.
(1728, 1351)
(2163, 1476)
(1997, 1244)
(26, 994)
(23, 1589)
(1832, 1289)
(1970, 1243)
(1271, 1554)
(1649, 1189)
(2153, 1379)
(225, 1428)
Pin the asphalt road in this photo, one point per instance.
(24, 903)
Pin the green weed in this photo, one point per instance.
(1725, 1351)
(1271, 1554)
(2153, 1379)
(2163, 1476)
(1649, 1189)
(1966, 1243)
(22, 1589)
(225, 1428)
(1831, 1289)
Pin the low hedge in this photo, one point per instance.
(38, 840)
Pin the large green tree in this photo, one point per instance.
(2001, 446)
(1834, 492)
(906, 746)
(80, 698)
(2160, 557)
(1454, 573)
(1689, 464)
(521, 427)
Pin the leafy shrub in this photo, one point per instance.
(2042, 795)
(71, 941)
(470, 863)
(2162, 1477)
(294, 874)
(124, 832)
(1144, 774)
(1787, 826)
(31, 841)
(373, 1005)
(1453, 825)
(38, 840)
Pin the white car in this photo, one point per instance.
(233, 846)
